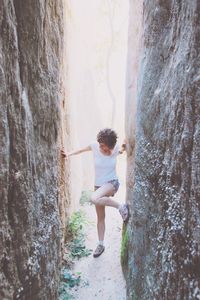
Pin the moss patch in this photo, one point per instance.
(124, 246)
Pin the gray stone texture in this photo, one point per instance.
(164, 228)
(30, 58)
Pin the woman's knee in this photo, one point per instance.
(94, 199)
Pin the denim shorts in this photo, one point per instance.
(114, 182)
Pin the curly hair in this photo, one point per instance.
(108, 137)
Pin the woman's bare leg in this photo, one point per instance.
(100, 210)
(101, 196)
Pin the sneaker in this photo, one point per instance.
(99, 250)
(123, 210)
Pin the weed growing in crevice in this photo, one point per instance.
(74, 249)
(75, 236)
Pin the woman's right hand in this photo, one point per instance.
(64, 154)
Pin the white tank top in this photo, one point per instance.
(105, 165)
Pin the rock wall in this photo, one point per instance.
(31, 38)
(133, 59)
(163, 243)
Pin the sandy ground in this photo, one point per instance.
(102, 277)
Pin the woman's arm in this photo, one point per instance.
(67, 154)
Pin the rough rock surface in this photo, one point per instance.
(164, 229)
(30, 58)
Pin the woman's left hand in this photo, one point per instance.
(123, 148)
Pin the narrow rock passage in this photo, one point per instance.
(103, 274)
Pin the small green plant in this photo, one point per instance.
(78, 249)
(76, 245)
(75, 225)
(85, 197)
(70, 278)
(68, 281)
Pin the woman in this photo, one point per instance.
(105, 152)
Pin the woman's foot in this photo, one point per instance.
(99, 250)
(123, 210)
